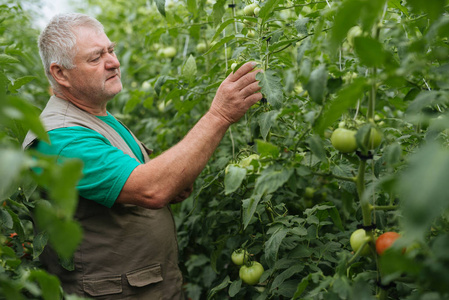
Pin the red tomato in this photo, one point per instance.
(384, 241)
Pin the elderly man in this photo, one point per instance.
(129, 249)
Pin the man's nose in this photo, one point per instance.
(112, 61)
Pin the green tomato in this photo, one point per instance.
(375, 138)
(251, 33)
(344, 140)
(249, 9)
(309, 192)
(239, 257)
(356, 240)
(201, 47)
(233, 66)
(251, 273)
(170, 52)
(256, 11)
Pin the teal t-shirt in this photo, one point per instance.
(106, 168)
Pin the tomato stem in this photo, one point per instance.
(344, 178)
(357, 253)
(383, 207)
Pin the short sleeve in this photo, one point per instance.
(106, 168)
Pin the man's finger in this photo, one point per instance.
(242, 71)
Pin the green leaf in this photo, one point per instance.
(392, 154)
(317, 147)
(27, 114)
(346, 17)
(63, 191)
(19, 82)
(4, 82)
(233, 178)
(423, 188)
(266, 121)
(222, 27)
(268, 8)
(5, 219)
(218, 12)
(49, 284)
(370, 51)
(64, 235)
(397, 4)
(347, 97)
(272, 88)
(273, 244)
(160, 4)
(39, 242)
(219, 287)
(266, 149)
(285, 275)
(192, 7)
(220, 43)
(272, 179)
(301, 25)
(10, 166)
(434, 8)
(235, 288)
(6, 59)
(317, 85)
(335, 216)
(161, 80)
(249, 208)
(302, 287)
(189, 68)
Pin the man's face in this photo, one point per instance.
(96, 77)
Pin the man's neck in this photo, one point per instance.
(92, 108)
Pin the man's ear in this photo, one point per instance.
(59, 74)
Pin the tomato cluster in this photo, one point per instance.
(359, 238)
(250, 271)
(344, 139)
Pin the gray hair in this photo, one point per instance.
(57, 42)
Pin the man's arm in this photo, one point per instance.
(163, 179)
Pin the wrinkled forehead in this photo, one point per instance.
(91, 40)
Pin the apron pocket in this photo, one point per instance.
(145, 276)
(103, 286)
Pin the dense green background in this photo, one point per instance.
(390, 72)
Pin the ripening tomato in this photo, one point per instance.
(251, 273)
(385, 240)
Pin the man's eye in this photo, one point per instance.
(96, 59)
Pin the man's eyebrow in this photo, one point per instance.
(99, 51)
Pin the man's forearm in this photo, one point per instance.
(168, 175)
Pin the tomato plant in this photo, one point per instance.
(251, 273)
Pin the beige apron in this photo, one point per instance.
(127, 252)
